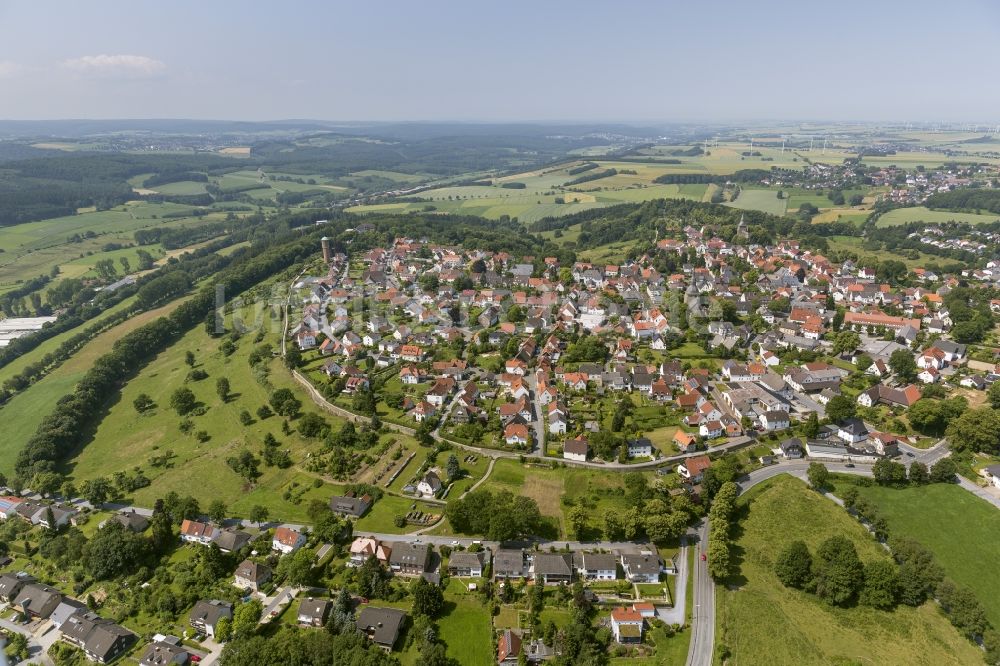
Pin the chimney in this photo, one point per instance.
(325, 242)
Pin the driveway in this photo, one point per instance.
(276, 603)
(675, 615)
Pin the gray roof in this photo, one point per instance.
(161, 654)
(314, 609)
(211, 611)
(64, 610)
(641, 563)
(463, 559)
(598, 561)
(380, 624)
(39, 599)
(553, 564)
(508, 562)
(351, 506)
(132, 520)
(409, 554)
(231, 540)
(252, 571)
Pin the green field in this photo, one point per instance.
(123, 439)
(37, 401)
(762, 622)
(922, 214)
(961, 530)
(765, 200)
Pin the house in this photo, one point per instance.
(775, 420)
(364, 547)
(287, 540)
(553, 568)
(161, 653)
(693, 468)
(230, 541)
(409, 559)
(597, 566)
(517, 434)
(467, 564)
(430, 485)
(642, 567)
(508, 648)
(8, 506)
(685, 441)
(576, 449)
(61, 515)
(928, 375)
(381, 625)
(992, 474)
(878, 369)
(423, 411)
(711, 429)
(66, 609)
(132, 521)
(882, 394)
(206, 614)
(509, 564)
(11, 584)
(350, 504)
(251, 576)
(37, 601)
(852, 431)
(194, 532)
(627, 625)
(953, 351)
(640, 448)
(100, 639)
(313, 612)
(792, 448)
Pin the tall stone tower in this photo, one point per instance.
(326, 248)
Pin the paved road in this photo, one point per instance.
(282, 598)
(703, 611)
(538, 446)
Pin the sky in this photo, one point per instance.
(470, 60)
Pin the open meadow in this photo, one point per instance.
(962, 530)
(762, 622)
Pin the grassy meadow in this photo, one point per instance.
(962, 530)
(762, 622)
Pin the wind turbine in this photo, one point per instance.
(810, 144)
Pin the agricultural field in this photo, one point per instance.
(962, 531)
(762, 622)
(921, 214)
(765, 200)
(35, 248)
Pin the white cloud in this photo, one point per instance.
(9, 69)
(116, 65)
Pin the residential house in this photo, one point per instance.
(364, 547)
(508, 648)
(313, 612)
(639, 448)
(509, 564)
(685, 441)
(576, 449)
(642, 567)
(11, 584)
(430, 485)
(350, 504)
(287, 540)
(100, 639)
(464, 563)
(380, 625)
(162, 653)
(852, 431)
(792, 448)
(409, 559)
(251, 575)
(693, 468)
(194, 532)
(230, 540)
(517, 434)
(773, 420)
(597, 566)
(627, 625)
(36, 600)
(553, 568)
(206, 614)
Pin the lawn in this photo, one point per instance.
(762, 622)
(961, 530)
(465, 629)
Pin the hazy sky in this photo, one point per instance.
(510, 60)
